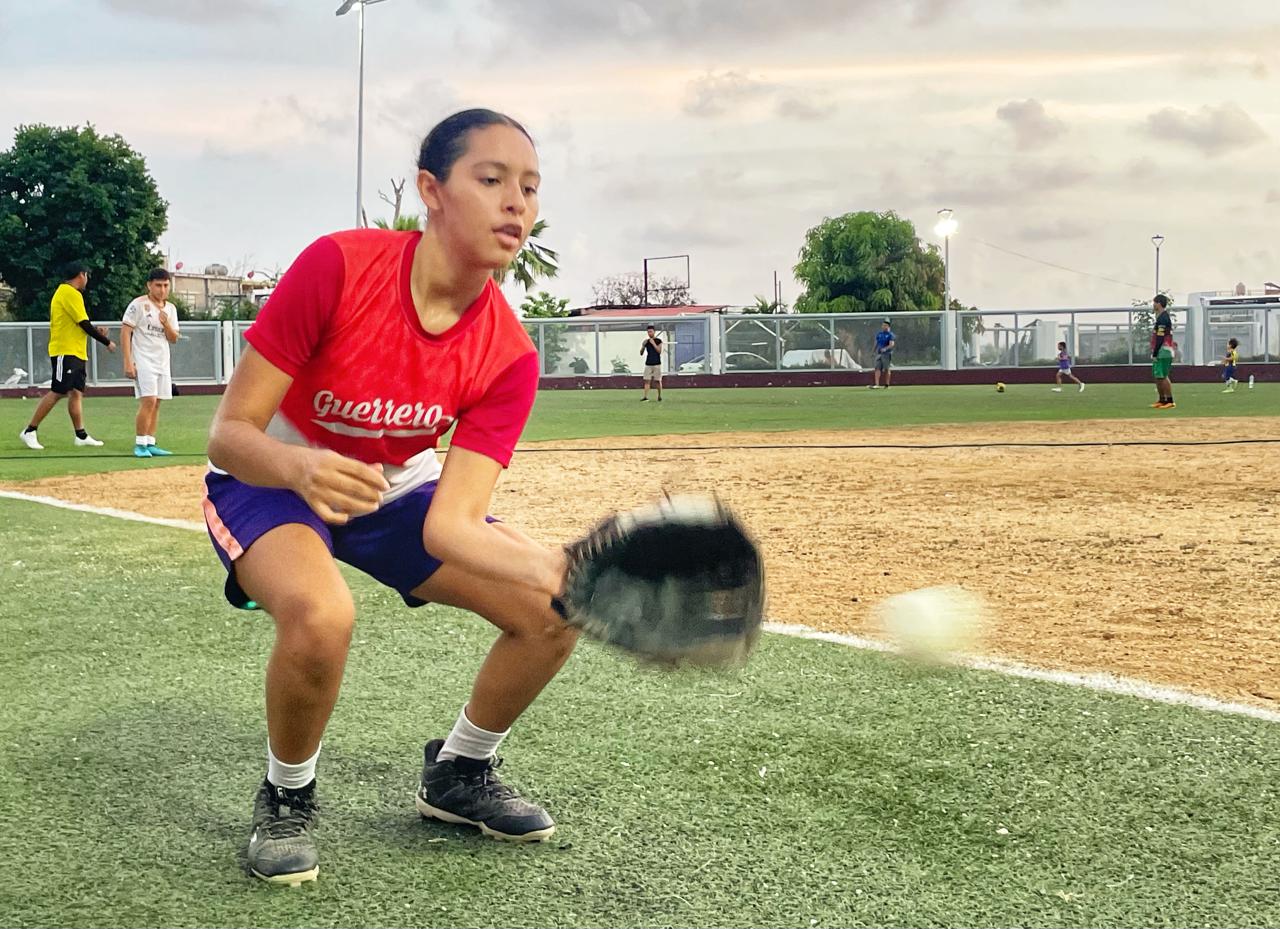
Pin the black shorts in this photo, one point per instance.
(69, 373)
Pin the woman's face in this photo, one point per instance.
(484, 211)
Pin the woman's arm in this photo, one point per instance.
(456, 531)
(336, 487)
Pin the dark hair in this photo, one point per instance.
(1162, 300)
(157, 274)
(1062, 345)
(1234, 343)
(650, 326)
(73, 269)
(446, 143)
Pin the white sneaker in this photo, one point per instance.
(30, 441)
(87, 440)
(1056, 390)
(1229, 390)
(1081, 390)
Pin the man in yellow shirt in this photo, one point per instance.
(69, 333)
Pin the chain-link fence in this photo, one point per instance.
(731, 343)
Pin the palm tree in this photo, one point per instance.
(766, 306)
(533, 261)
(401, 223)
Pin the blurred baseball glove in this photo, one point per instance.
(674, 582)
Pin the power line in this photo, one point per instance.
(1101, 277)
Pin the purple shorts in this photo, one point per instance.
(386, 544)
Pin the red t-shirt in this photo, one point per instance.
(369, 383)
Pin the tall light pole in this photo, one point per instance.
(946, 228)
(1157, 241)
(343, 10)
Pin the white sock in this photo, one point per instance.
(290, 776)
(150, 440)
(470, 741)
(139, 440)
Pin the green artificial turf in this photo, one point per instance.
(820, 786)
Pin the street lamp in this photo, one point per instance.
(1157, 241)
(946, 228)
(343, 10)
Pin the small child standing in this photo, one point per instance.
(1229, 365)
(1064, 368)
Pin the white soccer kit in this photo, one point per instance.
(150, 348)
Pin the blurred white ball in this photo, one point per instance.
(933, 623)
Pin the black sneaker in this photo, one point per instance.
(281, 849)
(468, 791)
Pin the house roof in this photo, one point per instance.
(634, 312)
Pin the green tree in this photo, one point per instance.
(765, 306)
(534, 261)
(868, 263)
(72, 194)
(401, 223)
(545, 306)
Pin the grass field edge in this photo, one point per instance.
(1097, 681)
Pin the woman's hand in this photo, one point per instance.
(339, 488)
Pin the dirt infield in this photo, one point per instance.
(1158, 562)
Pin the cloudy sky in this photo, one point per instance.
(1066, 131)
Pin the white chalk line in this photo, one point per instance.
(1098, 681)
(105, 511)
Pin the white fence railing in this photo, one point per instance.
(207, 351)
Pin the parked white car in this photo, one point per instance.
(820, 358)
(733, 361)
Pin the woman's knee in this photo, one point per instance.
(314, 628)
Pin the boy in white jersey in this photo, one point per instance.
(150, 327)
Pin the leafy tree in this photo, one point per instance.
(868, 263)
(181, 304)
(73, 194)
(545, 306)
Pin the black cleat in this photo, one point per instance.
(281, 849)
(468, 791)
